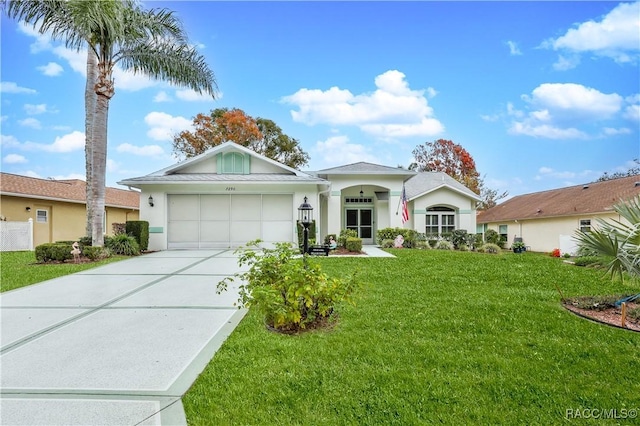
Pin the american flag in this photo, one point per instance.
(405, 210)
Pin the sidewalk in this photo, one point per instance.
(115, 345)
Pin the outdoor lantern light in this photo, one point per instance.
(150, 200)
(305, 216)
(361, 193)
(28, 208)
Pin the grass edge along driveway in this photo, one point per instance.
(436, 337)
(19, 269)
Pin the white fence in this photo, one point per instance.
(16, 236)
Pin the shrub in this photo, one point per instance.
(139, 229)
(354, 244)
(491, 236)
(491, 248)
(123, 244)
(444, 245)
(85, 241)
(477, 241)
(291, 293)
(387, 244)
(344, 234)
(463, 247)
(119, 228)
(422, 245)
(459, 237)
(96, 253)
(410, 236)
(53, 252)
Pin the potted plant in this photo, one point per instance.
(518, 247)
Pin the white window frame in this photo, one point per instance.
(585, 225)
(39, 217)
(440, 215)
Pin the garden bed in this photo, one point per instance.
(603, 311)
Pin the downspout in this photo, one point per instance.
(319, 228)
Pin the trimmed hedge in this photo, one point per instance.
(53, 252)
(95, 253)
(344, 235)
(410, 236)
(354, 244)
(139, 229)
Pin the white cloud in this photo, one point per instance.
(77, 60)
(393, 110)
(610, 131)
(565, 63)
(14, 159)
(30, 122)
(193, 96)
(513, 48)
(616, 36)
(164, 126)
(557, 110)
(42, 41)
(52, 69)
(145, 151)
(11, 87)
(70, 176)
(162, 97)
(567, 176)
(35, 109)
(8, 141)
(337, 150)
(73, 141)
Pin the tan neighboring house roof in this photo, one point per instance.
(72, 190)
(590, 198)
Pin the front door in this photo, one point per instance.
(361, 221)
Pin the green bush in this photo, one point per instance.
(491, 236)
(387, 244)
(444, 245)
(344, 234)
(459, 237)
(53, 252)
(463, 247)
(85, 241)
(422, 245)
(490, 248)
(96, 253)
(290, 292)
(354, 244)
(410, 236)
(138, 229)
(123, 244)
(477, 241)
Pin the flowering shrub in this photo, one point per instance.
(555, 253)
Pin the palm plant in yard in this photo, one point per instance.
(617, 241)
(152, 42)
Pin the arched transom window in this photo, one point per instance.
(440, 220)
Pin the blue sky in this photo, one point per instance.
(542, 94)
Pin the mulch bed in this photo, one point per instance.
(610, 316)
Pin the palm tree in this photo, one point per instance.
(119, 32)
(616, 241)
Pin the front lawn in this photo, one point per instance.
(19, 269)
(436, 337)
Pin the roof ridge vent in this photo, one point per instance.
(585, 186)
(636, 184)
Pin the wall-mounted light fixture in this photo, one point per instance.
(28, 208)
(361, 193)
(150, 200)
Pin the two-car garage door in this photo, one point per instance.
(228, 220)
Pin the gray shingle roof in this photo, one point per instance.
(428, 181)
(364, 168)
(214, 177)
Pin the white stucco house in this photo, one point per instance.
(230, 195)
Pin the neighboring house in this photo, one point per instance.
(547, 220)
(58, 207)
(230, 195)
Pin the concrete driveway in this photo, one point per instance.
(115, 345)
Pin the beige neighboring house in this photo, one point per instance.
(230, 195)
(548, 220)
(58, 207)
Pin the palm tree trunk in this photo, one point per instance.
(104, 90)
(89, 107)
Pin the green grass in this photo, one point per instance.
(436, 337)
(19, 269)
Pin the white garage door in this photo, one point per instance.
(223, 220)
